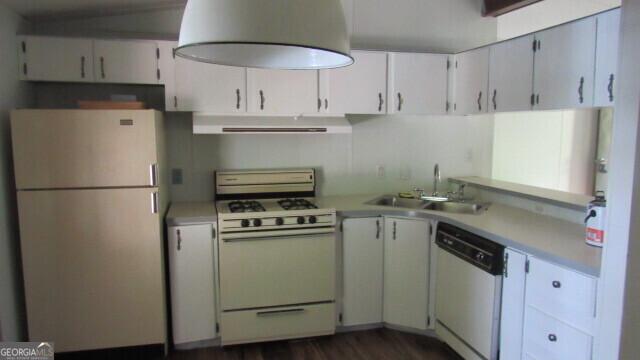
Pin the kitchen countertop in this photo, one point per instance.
(543, 236)
(546, 237)
(191, 213)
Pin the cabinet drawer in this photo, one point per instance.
(562, 293)
(277, 323)
(550, 339)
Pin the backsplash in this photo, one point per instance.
(403, 149)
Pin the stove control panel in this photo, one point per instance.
(266, 223)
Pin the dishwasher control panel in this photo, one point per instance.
(484, 254)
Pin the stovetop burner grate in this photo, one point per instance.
(246, 206)
(296, 204)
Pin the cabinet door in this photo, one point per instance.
(363, 245)
(512, 312)
(360, 88)
(608, 25)
(209, 87)
(54, 149)
(564, 63)
(167, 72)
(56, 59)
(126, 62)
(93, 268)
(406, 254)
(471, 81)
(279, 92)
(511, 75)
(191, 273)
(417, 83)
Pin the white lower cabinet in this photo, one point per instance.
(362, 254)
(548, 311)
(406, 270)
(192, 282)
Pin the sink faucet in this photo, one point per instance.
(436, 179)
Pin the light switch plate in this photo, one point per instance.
(176, 176)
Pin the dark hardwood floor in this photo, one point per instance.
(370, 344)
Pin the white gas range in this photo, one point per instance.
(276, 256)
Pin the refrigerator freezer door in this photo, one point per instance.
(92, 263)
(59, 149)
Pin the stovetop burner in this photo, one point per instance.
(245, 206)
(296, 204)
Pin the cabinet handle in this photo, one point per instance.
(377, 229)
(400, 102)
(102, 67)
(553, 337)
(326, 104)
(505, 265)
(610, 87)
(82, 60)
(179, 240)
(538, 99)
(394, 230)
(238, 98)
(24, 68)
(556, 284)
(380, 102)
(495, 95)
(319, 104)
(479, 101)
(580, 90)
(262, 100)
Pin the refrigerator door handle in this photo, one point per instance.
(153, 174)
(154, 202)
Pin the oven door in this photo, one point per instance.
(276, 268)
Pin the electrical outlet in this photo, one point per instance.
(176, 176)
(380, 171)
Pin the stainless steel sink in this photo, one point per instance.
(398, 202)
(418, 204)
(457, 207)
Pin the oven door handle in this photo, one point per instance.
(277, 236)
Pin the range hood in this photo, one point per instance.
(218, 124)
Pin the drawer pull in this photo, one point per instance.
(280, 312)
(553, 338)
(556, 284)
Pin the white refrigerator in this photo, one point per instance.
(91, 200)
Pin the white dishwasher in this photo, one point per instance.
(468, 292)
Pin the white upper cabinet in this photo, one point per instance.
(56, 59)
(363, 247)
(360, 88)
(167, 72)
(471, 82)
(511, 75)
(280, 92)
(192, 282)
(608, 25)
(126, 62)
(211, 88)
(417, 83)
(564, 66)
(406, 272)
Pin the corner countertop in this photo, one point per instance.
(191, 213)
(543, 236)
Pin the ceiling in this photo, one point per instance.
(59, 9)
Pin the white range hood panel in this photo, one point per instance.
(217, 124)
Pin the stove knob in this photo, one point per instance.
(244, 223)
(300, 220)
(312, 219)
(480, 256)
(279, 221)
(257, 222)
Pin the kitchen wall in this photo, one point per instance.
(13, 93)
(406, 148)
